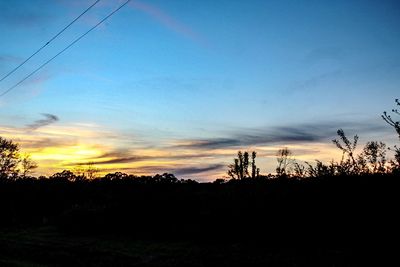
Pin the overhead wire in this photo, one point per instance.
(63, 50)
(48, 42)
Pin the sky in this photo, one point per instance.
(181, 86)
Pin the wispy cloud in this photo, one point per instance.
(301, 133)
(166, 20)
(117, 160)
(199, 170)
(155, 155)
(153, 11)
(202, 172)
(49, 119)
(39, 143)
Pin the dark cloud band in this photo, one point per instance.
(49, 119)
(311, 132)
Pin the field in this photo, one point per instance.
(47, 247)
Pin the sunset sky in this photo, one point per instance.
(181, 86)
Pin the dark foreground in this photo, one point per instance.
(47, 247)
(331, 221)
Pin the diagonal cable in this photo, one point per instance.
(62, 51)
(46, 44)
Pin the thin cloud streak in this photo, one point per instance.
(118, 157)
(302, 133)
(49, 119)
(199, 170)
(166, 20)
(154, 12)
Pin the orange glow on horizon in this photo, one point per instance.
(59, 147)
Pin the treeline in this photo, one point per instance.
(371, 160)
(16, 166)
(341, 210)
(353, 201)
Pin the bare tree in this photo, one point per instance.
(299, 170)
(27, 165)
(284, 159)
(396, 125)
(389, 120)
(91, 171)
(348, 148)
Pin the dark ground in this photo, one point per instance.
(47, 247)
(331, 221)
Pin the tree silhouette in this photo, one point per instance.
(389, 120)
(234, 169)
(396, 125)
(65, 175)
(299, 170)
(254, 173)
(245, 164)
(27, 165)
(241, 161)
(165, 178)
(283, 157)
(321, 169)
(115, 176)
(373, 157)
(9, 158)
(348, 148)
(87, 171)
(240, 167)
(91, 171)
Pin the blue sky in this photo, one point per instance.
(161, 73)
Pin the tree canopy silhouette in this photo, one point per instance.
(9, 158)
(240, 167)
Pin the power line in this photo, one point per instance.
(66, 48)
(46, 44)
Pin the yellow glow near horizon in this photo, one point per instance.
(71, 153)
(55, 148)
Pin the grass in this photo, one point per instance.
(46, 246)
